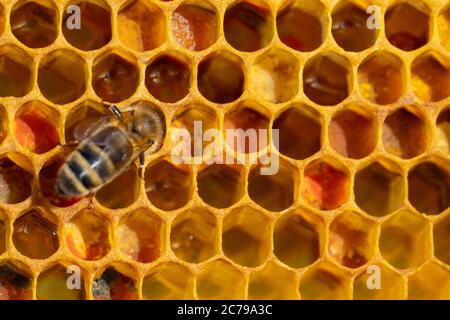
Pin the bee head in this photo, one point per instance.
(148, 126)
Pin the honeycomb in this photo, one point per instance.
(364, 140)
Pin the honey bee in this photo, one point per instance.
(107, 147)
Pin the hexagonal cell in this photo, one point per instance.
(327, 79)
(168, 78)
(297, 239)
(349, 27)
(246, 236)
(353, 133)
(195, 26)
(302, 25)
(275, 76)
(115, 76)
(16, 72)
(443, 131)
(15, 178)
(62, 76)
(85, 111)
(36, 127)
(248, 25)
(115, 283)
(379, 188)
(430, 74)
(405, 240)
(407, 25)
(168, 281)
(273, 192)
(325, 282)
(352, 239)
(294, 143)
(193, 237)
(391, 284)
(430, 282)
(112, 196)
(443, 24)
(441, 234)
(220, 77)
(326, 185)
(35, 234)
(52, 284)
(35, 24)
(221, 185)
(404, 134)
(244, 127)
(15, 282)
(219, 280)
(272, 283)
(429, 188)
(94, 29)
(87, 235)
(381, 78)
(141, 236)
(196, 119)
(141, 25)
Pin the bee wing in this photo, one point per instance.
(86, 127)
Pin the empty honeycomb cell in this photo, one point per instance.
(62, 76)
(407, 25)
(35, 23)
(168, 78)
(381, 78)
(54, 284)
(219, 280)
(115, 76)
(327, 79)
(193, 237)
(302, 25)
(294, 143)
(275, 75)
(443, 24)
(352, 239)
(168, 281)
(15, 180)
(441, 234)
(404, 134)
(430, 282)
(248, 25)
(325, 282)
(405, 240)
(246, 236)
(15, 282)
(431, 77)
(197, 119)
(112, 196)
(244, 127)
(141, 235)
(87, 235)
(92, 30)
(379, 188)
(220, 77)
(36, 127)
(168, 186)
(297, 239)
(141, 25)
(353, 133)
(35, 234)
(428, 188)
(115, 283)
(390, 285)
(85, 112)
(195, 26)
(221, 185)
(326, 184)
(272, 283)
(16, 72)
(274, 192)
(443, 131)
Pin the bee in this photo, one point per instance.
(107, 147)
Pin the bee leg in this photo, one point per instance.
(116, 111)
(141, 165)
(91, 201)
